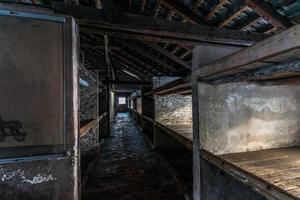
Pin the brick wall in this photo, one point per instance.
(88, 96)
(173, 109)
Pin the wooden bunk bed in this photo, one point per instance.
(182, 133)
(271, 68)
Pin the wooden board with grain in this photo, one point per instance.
(279, 167)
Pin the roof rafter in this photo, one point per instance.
(147, 28)
(268, 12)
(167, 53)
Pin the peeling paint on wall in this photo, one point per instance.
(240, 117)
(40, 179)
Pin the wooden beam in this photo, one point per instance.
(141, 51)
(129, 65)
(258, 184)
(265, 10)
(277, 48)
(125, 57)
(181, 84)
(167, 53)
(148, 28)
(270, 72)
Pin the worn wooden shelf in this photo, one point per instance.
(179, 86)
(273, 173)
(90, 125)
(182, 133)
(276, 50)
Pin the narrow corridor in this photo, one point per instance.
(128, 170)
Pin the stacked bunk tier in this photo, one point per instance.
(248, 106)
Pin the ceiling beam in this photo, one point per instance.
(128, 65)
(124, 59)
(266, 11)
(167, 54)
(147, 55)
(262, 73)
(154, 29)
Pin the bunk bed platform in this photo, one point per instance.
(182, 133)
(275, 173)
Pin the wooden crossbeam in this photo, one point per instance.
(138, 62)
(265, 10)
(131, 65)
(153, 29)
(279, 47)
(269, 72)
(167, 53)
(142, 52)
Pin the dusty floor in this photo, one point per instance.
(128, 170)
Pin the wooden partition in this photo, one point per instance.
(246, 139)
(39, 97)
(147, 113)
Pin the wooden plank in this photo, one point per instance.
(141, 51)
(142, 27)
(260, 185)
(279, 167)
(168, 54)
(288, 69)
(270, 48)
(184, 82)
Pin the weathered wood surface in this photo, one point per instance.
(182, 133)
(278, 169)
(177, 86)
(280, 71)
(146, 28)
(279, 48)
(267, 189)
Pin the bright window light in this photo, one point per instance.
(122, 100)
(83, 82)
